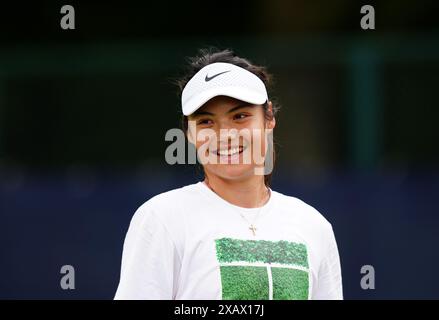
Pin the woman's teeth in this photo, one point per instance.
(229, 152)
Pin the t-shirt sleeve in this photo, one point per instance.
(329, 282)
(150, 261)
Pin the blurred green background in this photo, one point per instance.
(102, 94)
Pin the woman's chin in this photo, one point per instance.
(234, 171)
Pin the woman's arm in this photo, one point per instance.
(150, 261)
(329, 283)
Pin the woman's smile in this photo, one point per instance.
(229, 154)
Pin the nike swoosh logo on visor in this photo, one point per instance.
(214, 76)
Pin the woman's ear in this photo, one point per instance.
(272, 122)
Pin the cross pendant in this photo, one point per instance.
(253, 229)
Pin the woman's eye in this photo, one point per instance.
(240, 116)
(204, 122)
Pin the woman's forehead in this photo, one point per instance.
(221, 104)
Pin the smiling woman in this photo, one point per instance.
(236, 144)
(229, 236)
(251, 90)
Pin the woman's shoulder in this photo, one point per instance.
(300, 208)
(169, 201)
(164, 214)
(175, 196)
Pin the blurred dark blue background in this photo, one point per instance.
(83, 115)
(389, 221)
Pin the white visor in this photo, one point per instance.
(222, 79)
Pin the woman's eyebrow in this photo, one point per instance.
(201, 113)
(206, 113)
(242, 105)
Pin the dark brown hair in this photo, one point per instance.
(212, 55)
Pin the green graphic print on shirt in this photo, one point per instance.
(262, 270)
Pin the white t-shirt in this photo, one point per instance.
(189, 243)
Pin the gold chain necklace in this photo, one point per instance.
(252, 226)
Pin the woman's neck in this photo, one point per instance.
(248, 193)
